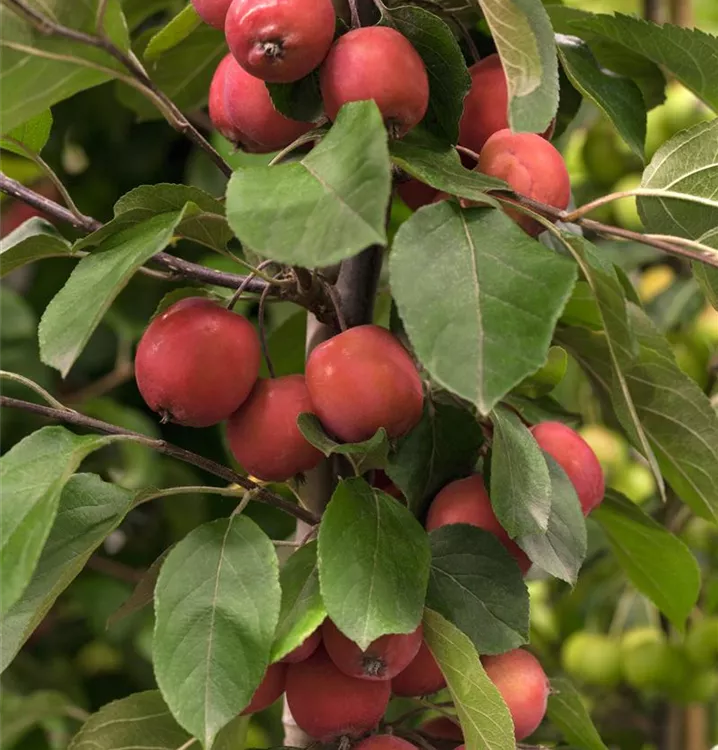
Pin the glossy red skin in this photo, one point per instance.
(576, 458)
(212, 12)
(217, 107)
(250, 112)
(197, 362)
(523, 685)
(379, 63)
(443, 728)
(305, 650)
(280, 41)
(263, 432)
(383, 658)
(269, 690)
(467, 501)
(364, 379)
(384, 742)
(416, 194)
(531, 166)
(421, 677)
(326, 703)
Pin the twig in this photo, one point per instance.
(115, 569)
(168, 449)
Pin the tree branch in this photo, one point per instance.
(69, 416)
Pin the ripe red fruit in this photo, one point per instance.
(269, 690)
(442, 728)
(212, 12)
(326, 703)
(217, 106)
(280, 40)
(421, 677)
(383, 658)
(523, 685)
(304, 650)
(416, 194)
(531, 166)
(250, 113)
(575, 456)
(379, 63)
(197, 362)
(364, 379)
(384, 742)
(383, 483)
(467, 501)
(263, 432)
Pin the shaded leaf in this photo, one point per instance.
(568, 712)
(33, 240)
(143, 593)
(300, 100)
(21, 714)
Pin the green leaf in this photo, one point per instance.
(52, 68)
(567, 711)
(33, 473)
(476, 585)
(143, 593)
(216, 606)
(21, 714)
(525, 41)
(176, 31)
(707, 278)
(34, 240)
(443, 446)
(302, 609)
(617, 97)
(690, 55)
(33, 135)
(345, 180)
(89, 509)
(449, 80)
(132, 723)
(364, 456)
(485, 719)
(373, 563)
(543, 409)
(520, 483)
(545, 379)
(301, 100)
(73, 314)
(658, 563)
(494, 298)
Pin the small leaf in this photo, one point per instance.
(345, 180)
(302, 609)
(545, 379)
(143, 593)
(373, 563)
(476, 585)
(132, 723)
(485, 719)
(520, 484)
(33, 135)
(567, 711)
(364, 456)
(658, 563)
(176, 31)
(216, 606)
(300, 100)
(33, 240)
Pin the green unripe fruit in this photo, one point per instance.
(625, 209)
(705, 327)
(98, 657)
(691, 362)
(701, 644)
(700, 534)
(636, 482)
(604, 162)
(592, 658)
(700, 688)
(637, 637)
(610, 448)
(654, 667)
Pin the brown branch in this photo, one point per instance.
(69, 416)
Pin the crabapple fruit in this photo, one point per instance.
(531, 166)
(421, 677)
(305, 649)
(379, 63)
(382, 659)
(250, 113)
(523, 685)
(443, 728)
(575, 457)
(384, 742)
(269, 690)
(197, 362)
(592, 658)
(467, 501)
(263, 432)
(416, 194)
(326, 703)
(280, 40)
(217, 105)
(364, 379)
(212, 12)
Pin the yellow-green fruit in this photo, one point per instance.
(573, 157)
(700, 534)
(610, 448)
(257, 736)
(705, 327)
(98, 657)
(625, 209)
(701, 644)
(636, 482)
(653, 281)
(604, 162)
(681, 110)
(637, 637)
(653, 667)
(592, 658)
(700, 687)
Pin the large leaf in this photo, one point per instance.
(89, 509)
(73, 314)
(494, 298)
(485, 719)
(329, 206)
(138, 722)
(568, 712)
(520, 482)
(216, 606)
(52, 68)
(476, 585)
(34, 240)
(373, 563)
(525, 41)
(33, 473)
(30, 136)
(658, 563)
